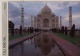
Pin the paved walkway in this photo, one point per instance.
(14, 42)
(68, 48)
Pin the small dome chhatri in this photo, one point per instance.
(46, 9)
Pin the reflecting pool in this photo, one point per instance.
(41, 45)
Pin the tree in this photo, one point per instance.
(28, 30)
(20, 30)
(62, 29)
(72, 30)
(11, 27)
(66, 31)
(16, 30)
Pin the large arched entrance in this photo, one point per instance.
(45, 23)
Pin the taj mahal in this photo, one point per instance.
(46, 19)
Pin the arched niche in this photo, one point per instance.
(45, 22)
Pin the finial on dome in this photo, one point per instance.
(45, 3)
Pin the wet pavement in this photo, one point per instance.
(41, 45)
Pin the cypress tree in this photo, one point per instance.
(65, 30)
(73, 30)
(11, 27)
(62, 29)
(12, 30)
(20, 31)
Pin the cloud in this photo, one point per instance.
(74, 17)
(17, 21)
(61, 5)
(13, 10)
(17, 5)
(55, 5)
(33, 8)
(73, 3)
(75, 20)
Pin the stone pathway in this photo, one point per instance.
(68, 48)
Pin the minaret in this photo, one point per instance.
(22, 17)
(60, 22)
(57, 20)
(70, 17)
(31, 21)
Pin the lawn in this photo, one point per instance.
(74, 40)
(18, 36)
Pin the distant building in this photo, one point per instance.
(46, 19)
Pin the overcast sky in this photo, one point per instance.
(33, 8)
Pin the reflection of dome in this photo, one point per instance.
(44, 43)
(46, 9)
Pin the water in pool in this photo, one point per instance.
(41, 45)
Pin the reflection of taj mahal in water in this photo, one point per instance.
(44, 44)
(46, 19)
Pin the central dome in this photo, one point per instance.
(46, 9)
